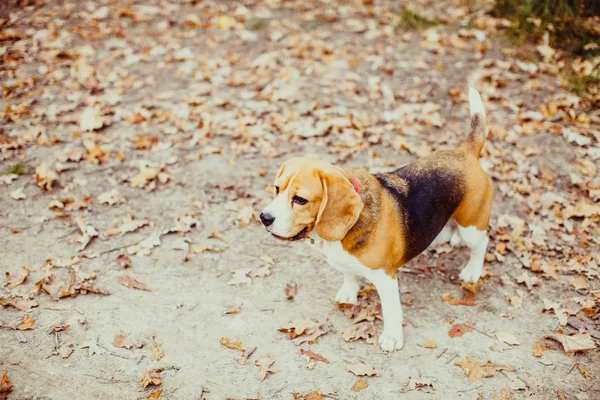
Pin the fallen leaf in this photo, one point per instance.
(359, 385)
(233, 310)
(580, 283)
(459, 330)
(585, 374)
(361, 369)
(246, 355)
(18, 194)
(19, 304)
(154, 395)
(538, 349)
(131, 282)
(66, 350)
(430, 344)
(5, 385)
(124, 261)
(504, 394)
(14, 281)
(291, 290)
(111, 197)
(476, 370)
(472, 287)
(313, 355)
(300, 331)
(467, 300)
(151, 377)
(122, 341)
(26, 323)
(260, 272)
(45, 177)
(157, 353)
(59, 328)
(574, 343)
(91, 119)
(314, 395)
(266, 364)
(217, 235)
(507, 338)
(266, 258)
(232, 345)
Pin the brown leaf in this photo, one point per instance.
(157, 352)
(5, 385)
(314, 395)
(574, 343)
(26, 323)
(14, 281)
(579, 283)
(233, 310)
(154, 395)
(467, 300)
(359, 385)
(151, 377)
(59, 328)
(538, 349)
(301, 331)
(19, 304)
(290, 290)
(122, 341)
(217, 235)
(124, 261)
(476, 370)
(504, 394)
(472, 287)
(459, 330)
(430, 344)
(232, 345)
(266, 364)
(131, 282)
(361, 369)
(585, 374)
(313, 355)
(45, 177)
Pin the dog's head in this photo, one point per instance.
(311, 194)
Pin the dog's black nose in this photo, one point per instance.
(267, 219)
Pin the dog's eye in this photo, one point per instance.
(299, 200)
(276, 190)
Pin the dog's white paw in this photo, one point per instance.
(391, 339)
(469, 274)
(347, 295)
(455, 240)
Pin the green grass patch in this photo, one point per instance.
(257, 24)
(311, 24)
(410, 20)
(581, 84)
(569, 23)
(19, 169)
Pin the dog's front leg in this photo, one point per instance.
(348, 293)
(387, 288)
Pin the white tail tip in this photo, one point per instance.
(475, 103)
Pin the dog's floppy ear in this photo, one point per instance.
(340, 207)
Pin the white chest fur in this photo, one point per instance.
(339, 258)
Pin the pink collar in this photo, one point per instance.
(355, 183)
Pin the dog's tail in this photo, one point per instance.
(476, 139)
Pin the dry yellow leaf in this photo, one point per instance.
(232, 345)
(359, 385)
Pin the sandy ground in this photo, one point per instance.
(218, 173)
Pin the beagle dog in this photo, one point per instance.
(369, 225)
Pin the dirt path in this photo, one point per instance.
(187, 110)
